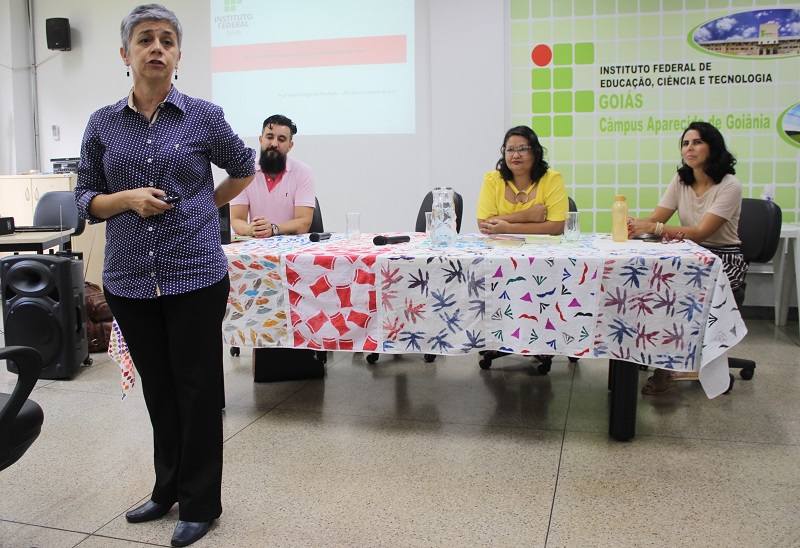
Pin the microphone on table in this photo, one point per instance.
(383, 240)
(319, 236)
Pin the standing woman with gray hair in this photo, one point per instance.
(146, 171)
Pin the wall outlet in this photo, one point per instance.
(56, 132)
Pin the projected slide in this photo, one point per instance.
(344, 67)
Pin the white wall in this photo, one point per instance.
(7, 140)
(17, 152)
(468, 96)
(460, 112)
(73, 84)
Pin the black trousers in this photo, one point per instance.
(175, 342)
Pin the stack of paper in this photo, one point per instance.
(513, 240)
(542, 239)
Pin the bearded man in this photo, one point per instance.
(281, 198)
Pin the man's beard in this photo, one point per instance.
(272, 163)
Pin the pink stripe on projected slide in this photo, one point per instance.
(370, 50)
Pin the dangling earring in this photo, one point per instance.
(176, 73)
(128, 72)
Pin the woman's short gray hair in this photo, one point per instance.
(147, 12)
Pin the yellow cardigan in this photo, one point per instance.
(551, 192)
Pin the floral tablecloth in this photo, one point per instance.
(663, 305)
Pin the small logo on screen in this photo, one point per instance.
(230, 5)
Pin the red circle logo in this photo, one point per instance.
(541, 55)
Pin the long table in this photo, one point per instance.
(663, 305)
(35, 241)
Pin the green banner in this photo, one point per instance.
(610, 86)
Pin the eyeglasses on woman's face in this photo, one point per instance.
(511, 151)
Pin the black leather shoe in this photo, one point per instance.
(186, 532)
(147, 512)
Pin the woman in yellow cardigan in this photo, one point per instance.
(523, 195)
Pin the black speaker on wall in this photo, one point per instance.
(57, 31)
(43, 308)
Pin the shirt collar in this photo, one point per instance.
(174, 97)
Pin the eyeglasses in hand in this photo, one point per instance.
(522, 151)
(676, 238)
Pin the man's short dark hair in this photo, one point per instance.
(279, 120)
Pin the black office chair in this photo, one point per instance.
(760, 232)
(20, 418)
(426, 206)
(545, 361)
(225, 233)
(57, 208)
(316, 220)
(316, 226)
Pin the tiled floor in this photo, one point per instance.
(404, 453)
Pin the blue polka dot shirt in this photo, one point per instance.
(178, 251)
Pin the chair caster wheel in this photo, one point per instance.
(88, 361)
(573, 359)
(234, 351)
(544, 367)
(485, 363)
(429, 358)
(372, 358)
(732, 379)
(746, 374)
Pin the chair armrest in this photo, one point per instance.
(29, 364)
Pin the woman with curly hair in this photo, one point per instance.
(708, 199)
(522, 195)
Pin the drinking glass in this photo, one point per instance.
(353, 226)
(572, 227)
(428, 224)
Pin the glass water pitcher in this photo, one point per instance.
(444, 217)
